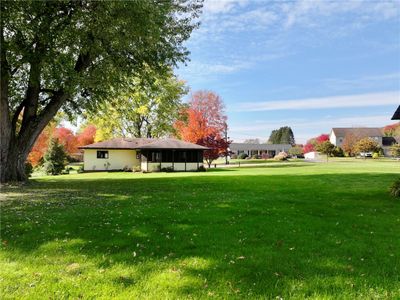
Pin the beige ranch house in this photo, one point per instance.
(143, 154)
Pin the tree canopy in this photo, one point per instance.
(74, 55)
(283, 135)
(147, 108)
(204, 123)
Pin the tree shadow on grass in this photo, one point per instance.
(242, 236)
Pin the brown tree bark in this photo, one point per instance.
(16, 145)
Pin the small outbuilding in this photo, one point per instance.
(143, 154)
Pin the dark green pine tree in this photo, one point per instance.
(54, 158)
(283, 135)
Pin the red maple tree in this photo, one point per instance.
(41, 144)
(87, 135)
(204, 123)
(217, 147)
(67, 138)
(311, 144)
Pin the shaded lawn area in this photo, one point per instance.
(305, 230)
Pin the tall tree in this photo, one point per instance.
(71, 55)
(41, 144)
(283, 135)
(86, 135)
(217, 147)
(55, 158)
(366, 145)
(204, 122)
(325, 147)
(312, 143)
(204, 116)
(350, 140)
(147, 108)
(67, 138)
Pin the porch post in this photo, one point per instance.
(173, 160)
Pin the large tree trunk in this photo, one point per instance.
(15, 149)
(14, 166)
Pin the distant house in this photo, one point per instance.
(258, 149)
(142, 154)
(338, 135)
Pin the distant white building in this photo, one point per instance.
(314, 155)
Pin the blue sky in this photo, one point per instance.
(311, 65)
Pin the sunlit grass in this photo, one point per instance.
(293, 231)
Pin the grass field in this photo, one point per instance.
(300, 230)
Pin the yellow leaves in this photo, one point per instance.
(143, 110)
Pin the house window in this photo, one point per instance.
(102, 154)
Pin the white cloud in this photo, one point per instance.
(362, 100)
(362, 82)
(309, 13)
(222, 6)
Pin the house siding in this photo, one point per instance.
(332, 138)
(118, 159)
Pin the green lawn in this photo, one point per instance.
(297, 230)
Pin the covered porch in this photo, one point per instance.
(153, 160)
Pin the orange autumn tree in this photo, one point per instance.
(66, 138)
(41, 144)
(87, 135)
(204, 123)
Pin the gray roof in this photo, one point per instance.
(362, 131)
(172, 144)
(259, 147)
(143, 143)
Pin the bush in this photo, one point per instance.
(234, 156)
(255, 156)
(265, 156)
(201, 169)
(126, 169)
(167, 169)
(296, 151)
(81, 170)
(281, 156)
(338, 152)
(375, 155)
(242, 156)
(136, 169)
(395, 189)
(28, 169)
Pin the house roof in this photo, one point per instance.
(396, 115)
(172, 144)
(143, 143)
(362, 131)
